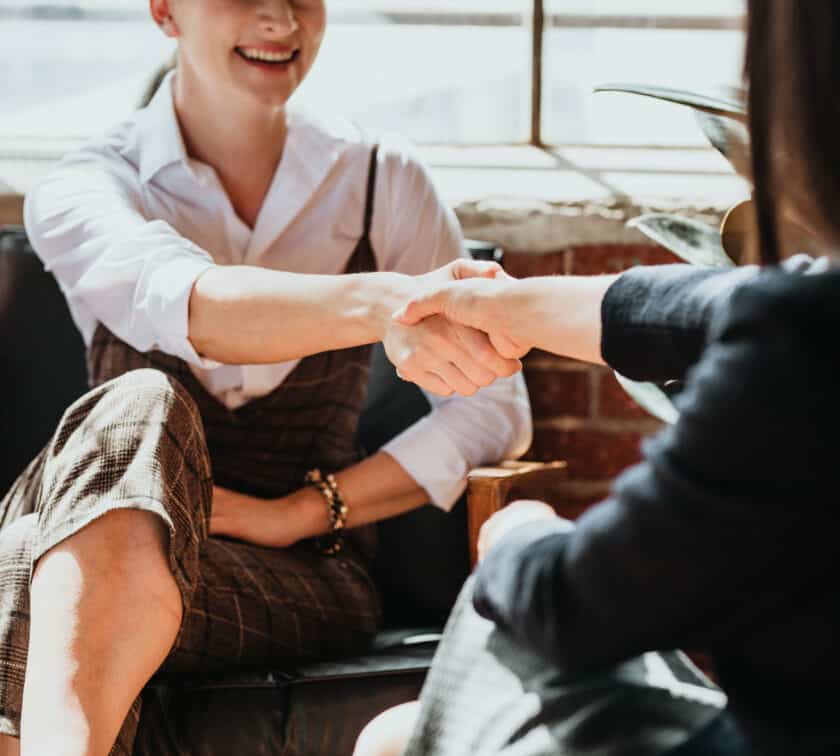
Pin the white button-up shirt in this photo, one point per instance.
(127, 224)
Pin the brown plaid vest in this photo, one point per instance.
(265, 447)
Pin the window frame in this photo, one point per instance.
(536, 19)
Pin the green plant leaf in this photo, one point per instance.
(650, 398)
(728, 104)
(690, 240)
(729, 137)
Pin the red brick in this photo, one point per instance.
(559, 392)
(596, 259)
(592, 455)
(613, 401)
(527, 264)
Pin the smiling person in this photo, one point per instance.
(229, 263)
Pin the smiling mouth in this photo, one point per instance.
(270, 58)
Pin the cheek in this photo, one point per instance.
(314, 22)
(216, 23)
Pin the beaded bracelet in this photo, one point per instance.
(336, 509)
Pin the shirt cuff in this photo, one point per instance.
(433, 459)
(168, 306)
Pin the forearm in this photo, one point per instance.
(249, 315)
(561, 314)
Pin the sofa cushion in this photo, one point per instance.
(318, 709)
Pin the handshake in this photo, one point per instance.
(459, 330)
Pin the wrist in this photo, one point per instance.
(382, 295)
(522, 308)
(548, 311)
(312, 511)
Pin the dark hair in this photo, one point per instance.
(793, 74)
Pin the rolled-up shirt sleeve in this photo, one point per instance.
(86, 222)
(461, 433)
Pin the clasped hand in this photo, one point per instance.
(451, 336)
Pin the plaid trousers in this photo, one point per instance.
(138, 442)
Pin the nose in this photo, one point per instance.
(277, 17)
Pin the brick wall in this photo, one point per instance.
(581, 414)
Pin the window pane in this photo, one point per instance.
(640, 42)
(78, 68)
(69, 78)
(433, 84)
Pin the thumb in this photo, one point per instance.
(420, 309)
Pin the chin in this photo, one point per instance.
(274, 99)
(264, 95)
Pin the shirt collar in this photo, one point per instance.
(314, 144)
(160, 141)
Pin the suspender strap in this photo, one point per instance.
(371, 191)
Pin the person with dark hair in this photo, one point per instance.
(724, 538)
(230, 262)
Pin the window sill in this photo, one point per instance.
(534, 200)
(526, 198)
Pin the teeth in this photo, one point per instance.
(268, 57)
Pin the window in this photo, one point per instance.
(71, 70)
(693, 44)
(439, 71)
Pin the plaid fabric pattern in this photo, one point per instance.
(149, 436)
(487, 695)
(135, 442)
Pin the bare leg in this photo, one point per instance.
(388, 734)
(9, 746)
(105, 611)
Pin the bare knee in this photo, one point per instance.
(119, 554)
(9, 746)
(388, 734)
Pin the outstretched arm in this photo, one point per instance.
(705, 520)
(156, 289)
(648, 323)
(248, 315)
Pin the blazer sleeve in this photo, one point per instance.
(655, 319)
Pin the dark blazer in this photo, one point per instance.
(724, 538)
